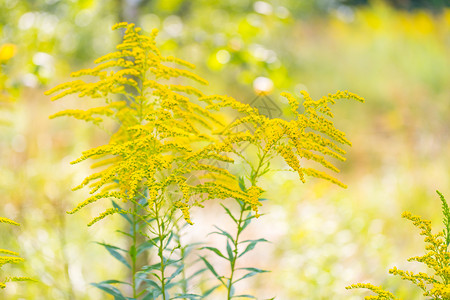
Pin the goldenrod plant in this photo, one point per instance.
(149, 155)
(437, 258)
(310, 135)
(7, 51)
(10, 257)
(164, 137)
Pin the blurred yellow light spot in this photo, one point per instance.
(262, 85)
(262, 7)
(446, 17)
(223, 56)
(235, 44)
(7, 51)
(282, 12)
(374, 21)
(423, 23)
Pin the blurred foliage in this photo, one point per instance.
(323, 238)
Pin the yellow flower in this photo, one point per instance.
(157, 125)
(8, 221)
(436, 258)
(7, 51)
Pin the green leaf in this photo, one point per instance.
(232, 289)
(142, 277)
(211, 268)
(242, 183)
(171, 235)
(146, 245)
(208, 292)
(224, 233)
(174, 274)
(168, 262)
(112, 281)
(215, 250)
(133, 252)
(253, 272)
(229, 252)
(266, 169)
(151, 267)
(113, 251)
(124, 215)
(251, 245)
(124, 233)
(152, 295)
(143, 201)
(110, 290)
(229, 213)
(247, 221)
(170, 285)
(187, 296)
(244, 296)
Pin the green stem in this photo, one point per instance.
(160, 251)
(235, 250)
(135, 206)
(253, 178)
(184, 285)
(133, 257)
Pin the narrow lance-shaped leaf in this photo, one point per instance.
(253, 272)
(242, 183)
(209, 291)
(211, 268)
(224, 233)
(110, 290)
(174, 274)
(251, 245)
(146, 245)
(244, 296)
(216, 251)
(247, 221)
(229, 252)
(187, 296)
(229, 213)
(113, 251)
(124, 215)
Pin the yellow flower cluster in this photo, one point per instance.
(304, 137)
(158, 122)
(381, 294)
(11, 258)
(309, 136)
(8, 221)
(437, 258)
(253, 194)
(8, 259)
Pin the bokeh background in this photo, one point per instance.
(395, 54)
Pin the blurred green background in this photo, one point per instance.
(395, 54)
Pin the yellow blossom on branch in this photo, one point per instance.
(437, 258)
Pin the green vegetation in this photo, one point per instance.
(322, 238)
(437, 284)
